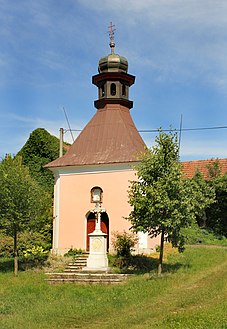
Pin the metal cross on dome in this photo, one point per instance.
(111, 35)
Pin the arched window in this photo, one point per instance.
(123, 90)
(113, 89)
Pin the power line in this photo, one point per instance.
(158, 129)
(66, 130)
(68, 123)
(182, 129)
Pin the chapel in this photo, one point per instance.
(102, 159)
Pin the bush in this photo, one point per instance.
(28, 240)
(123, 244)
(6, 245)
(196, 235)
(36, 253)
(33, 247)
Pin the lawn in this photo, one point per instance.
(191, 294)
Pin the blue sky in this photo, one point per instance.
(177, 49)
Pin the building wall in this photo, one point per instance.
(73, 204)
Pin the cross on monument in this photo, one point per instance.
(98, 210)
(111, 35)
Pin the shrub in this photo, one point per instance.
(36, 252)
(33, 248)
(29, 239)
(6, 245)
(196, 235)
(123, 244)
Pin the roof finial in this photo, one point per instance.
(111, 35)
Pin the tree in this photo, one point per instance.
(204, 196)
(216, 214)
(40, 149)
(162, 201)
(23, 202)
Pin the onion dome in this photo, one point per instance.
(113, 63)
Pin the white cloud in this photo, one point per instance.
(167, 42)
(39, 122)
(192, 11)
(177, 40)
(25, 125)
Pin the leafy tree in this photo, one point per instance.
(214, 170)
(216, 214)
(24, 204)
(162, 200)
(214, 217)
(204, 196)
(40, 149)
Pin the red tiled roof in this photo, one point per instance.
(190, 167)
(109, 137)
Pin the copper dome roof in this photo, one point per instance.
(110, 137)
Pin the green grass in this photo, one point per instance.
(191, 294)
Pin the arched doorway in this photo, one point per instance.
(105, 227)
(91, 227)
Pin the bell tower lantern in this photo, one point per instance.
(113, 81)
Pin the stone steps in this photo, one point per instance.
(77, 264)
(86, 278)
(75, 274)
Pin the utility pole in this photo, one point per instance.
(61, 142)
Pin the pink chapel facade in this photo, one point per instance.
(73, 207)
(103, 155)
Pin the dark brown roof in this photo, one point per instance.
(109, 137)
(190, 167)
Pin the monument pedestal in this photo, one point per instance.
(97, 259)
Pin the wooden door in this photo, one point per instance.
(90, 227)
(105, 227)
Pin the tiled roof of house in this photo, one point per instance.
(190, 167)
(109, 137)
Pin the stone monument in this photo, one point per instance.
(97, 259)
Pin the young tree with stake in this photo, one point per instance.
(163, 201)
